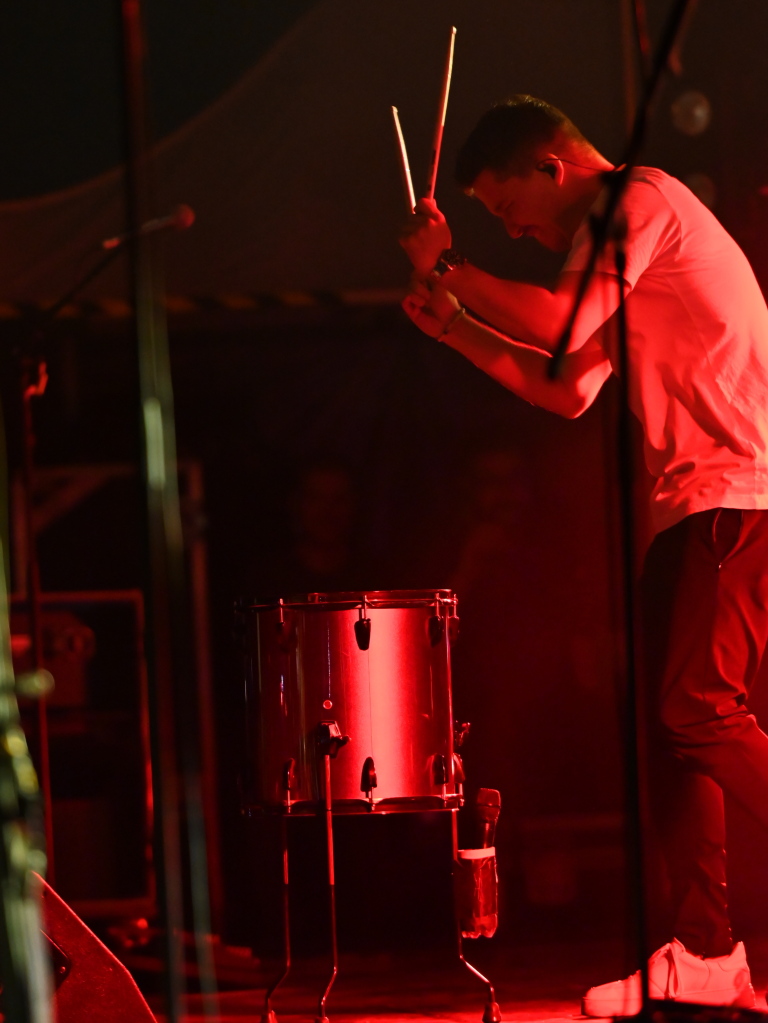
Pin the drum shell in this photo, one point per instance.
(393, 701)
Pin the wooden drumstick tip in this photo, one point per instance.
(441, 112)
(405, 169)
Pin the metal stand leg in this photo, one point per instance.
(491, 1012)
(269, 1015)
(321, 1016)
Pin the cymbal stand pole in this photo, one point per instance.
(491, 1012)
(269, 1015)
(321, 1015)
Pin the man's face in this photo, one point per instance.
(528, 205)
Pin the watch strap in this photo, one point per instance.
(449, 259)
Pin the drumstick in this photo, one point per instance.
(441, 110)
(405, 169)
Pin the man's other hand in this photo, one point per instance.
(425, 236)
(430, 309)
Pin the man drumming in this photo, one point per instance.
(698, 358)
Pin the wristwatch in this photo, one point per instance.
(449, 259)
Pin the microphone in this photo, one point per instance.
(488, 810)
(475, 876)
(180, 218)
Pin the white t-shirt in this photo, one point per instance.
(698, 350)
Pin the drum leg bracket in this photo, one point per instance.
(329, 739)
(327, 754)
(268, 1015)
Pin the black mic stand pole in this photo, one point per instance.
(33, 379)
(26, 808)
(617, 180)
(169, 662)
(608, 227)
(149, 330)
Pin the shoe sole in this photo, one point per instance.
(745, 1000)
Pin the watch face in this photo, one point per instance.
(451, 259)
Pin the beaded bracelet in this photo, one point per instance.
(451, 323)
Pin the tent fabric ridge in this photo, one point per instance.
(118, 308)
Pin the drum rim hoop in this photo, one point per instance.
(352, 599)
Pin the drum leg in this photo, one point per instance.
(491, 1012)
(321, 1016)
(269, 1015)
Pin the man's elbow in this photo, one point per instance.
(580, 391)
(576, 403)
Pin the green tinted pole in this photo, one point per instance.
(25, 972)
(163, 521)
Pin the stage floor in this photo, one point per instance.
(534, 983)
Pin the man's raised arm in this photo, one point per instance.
(516, 366)
(529, 312)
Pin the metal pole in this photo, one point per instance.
(491, 1012)
(161, 491)
(269, 1015)
(321, 1016)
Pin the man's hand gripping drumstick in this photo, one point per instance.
(427, 233)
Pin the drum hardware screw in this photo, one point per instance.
(329, 738)
(327, 704)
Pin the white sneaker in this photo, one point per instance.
(677, 975)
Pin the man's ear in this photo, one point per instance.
(553, 166)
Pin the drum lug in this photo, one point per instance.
(435, 629)
(368, 781)
(363, 633)
(329, 738)
(440, 770)
(286, 634)
(458, 769)
(453, 628)
(289, 776)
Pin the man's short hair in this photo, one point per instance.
(508, 136)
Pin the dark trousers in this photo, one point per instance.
(704, 627)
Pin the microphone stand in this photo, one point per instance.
(33, 379)
(608, 227)
(25, 809)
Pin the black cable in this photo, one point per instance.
(605, 228)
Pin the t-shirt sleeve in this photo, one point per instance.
(650, 224)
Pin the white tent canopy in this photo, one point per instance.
(293, 174)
